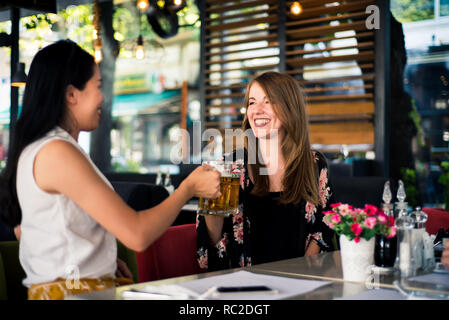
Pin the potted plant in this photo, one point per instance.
(357, 229)
(444, 180)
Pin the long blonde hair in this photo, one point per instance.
(300, 177)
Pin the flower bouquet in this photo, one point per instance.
(357, 223)
(357, 228)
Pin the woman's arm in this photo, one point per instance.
(59, 167)
(321, 236)
(312, 249)
(214, 226)
(17, 232)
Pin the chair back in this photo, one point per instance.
(358, 191)
(436, 218)
(129, 257)
(172, 255)
(13, 271)
(138, 196)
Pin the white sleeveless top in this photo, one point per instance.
(59, 239)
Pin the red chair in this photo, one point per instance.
(436, 219)
(172, 255)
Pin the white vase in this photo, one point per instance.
(357, 259)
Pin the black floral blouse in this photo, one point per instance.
(264, 230)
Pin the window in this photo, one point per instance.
(426, 76)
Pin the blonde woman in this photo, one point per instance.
(280, 213)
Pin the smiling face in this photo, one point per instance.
(85, 104)
(260, 113)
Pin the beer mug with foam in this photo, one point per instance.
(227, 203)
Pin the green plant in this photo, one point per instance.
(444, 180)
(416, 118)
(409, 179)
(129, 166)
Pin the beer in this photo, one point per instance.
(228, 202)
(234, 195)
(219, 205)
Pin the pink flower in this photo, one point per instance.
(370, 222)
(344, 209)
(336, 218)
(356, 212)
(335, 205)
(370, 209)
(328, 212)
(357, 239)
(331, 225)
(327, 220)
(390, 221)
(356, 228)
(382, 218)
(392, 232)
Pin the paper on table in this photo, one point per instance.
(377, 294)
(435, 278)
(287, 287)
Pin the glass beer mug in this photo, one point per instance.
(228, 202)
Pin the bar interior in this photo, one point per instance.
(224, 150)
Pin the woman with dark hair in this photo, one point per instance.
(282, 197)
(68, 212)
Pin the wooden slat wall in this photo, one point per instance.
(328, 49)
(241, 42)
(331, 53)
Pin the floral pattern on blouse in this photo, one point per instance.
(323, 188)
(234, 248)
(318, 237)
(310, 212)
(221, 246)
(237, 220)
(202, 258)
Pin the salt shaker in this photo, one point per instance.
(406, 263)
(419, 218)
(429, 254)
(404, 225)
